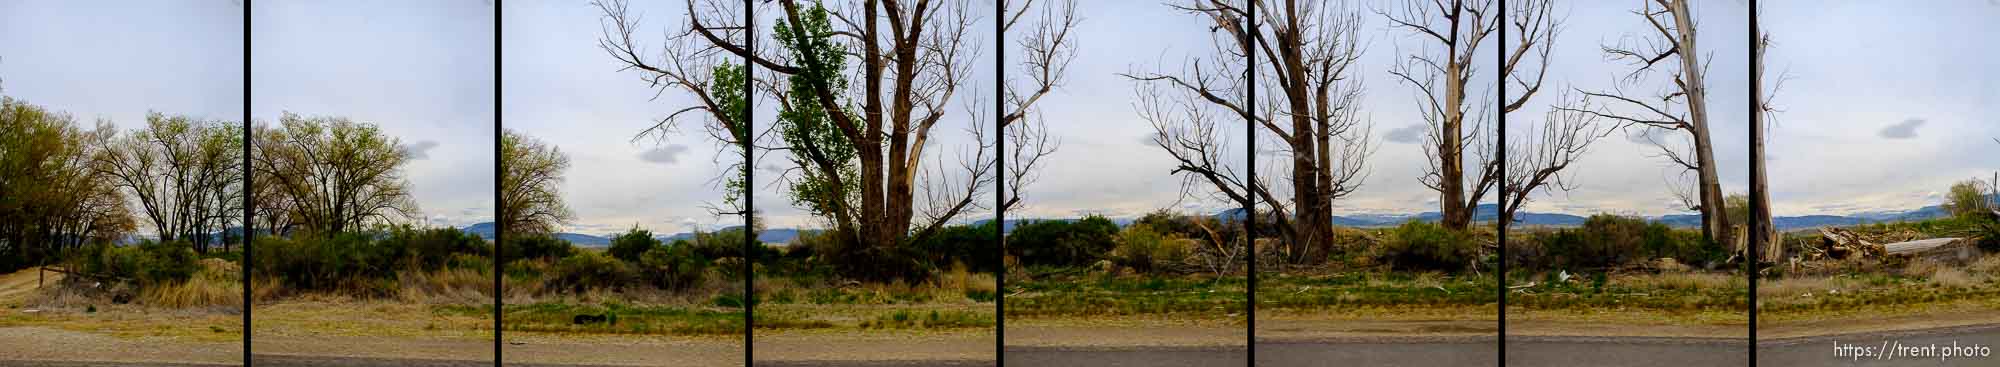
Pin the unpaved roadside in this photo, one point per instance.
(20, 283)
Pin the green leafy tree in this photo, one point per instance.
(531, 179)
(51, 196)
(185, 173)
(1969, 199)
(859, 146)
(331, 174)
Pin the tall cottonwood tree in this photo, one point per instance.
(1768, 110)
(1308, 99)
(1679, 108)
(331, 175)
(51, 196)
(1462, 167)
(183, 173)
(531, 188)
(874, 75)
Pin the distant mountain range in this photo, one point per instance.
(780, 235)
(1481, 213)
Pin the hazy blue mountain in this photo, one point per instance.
(1481, 213)
(485, 230)
(769, 235)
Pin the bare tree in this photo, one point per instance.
(1456, 29)
(1539, 159)
(1442, 69)
(1679, 108)
(1768, 110)
(908, 60)
(1310, 103)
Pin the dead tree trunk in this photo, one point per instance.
(1682, 108)
(1315, 115)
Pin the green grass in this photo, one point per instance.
(1377, 289)
(1089, 295)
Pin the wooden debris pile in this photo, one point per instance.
(1841, 244)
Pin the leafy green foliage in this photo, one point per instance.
(971, 245)
(1062, 243)
(1417, 245)
(672, 268)
(807, 126)
(630, 245)
(541, 246)
(531, 184)
(1146, 250)
(587, 270)
(365, 261)
(149, 263)
(1610, 240)
(1969, 199)
(436, 247)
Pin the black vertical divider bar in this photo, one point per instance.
(249, 210)
(1500, 140)
(1000, 180)
(749, 163)
(499, 171)
(1756, 173)
(1250, 178)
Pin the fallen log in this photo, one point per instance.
(1949, 250)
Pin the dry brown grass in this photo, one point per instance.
(453, 285)
(1951, 277)
(1687, 281)
(1800, 286)
(1989, 265)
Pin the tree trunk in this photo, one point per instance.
(1451, 152)
(1715, 223)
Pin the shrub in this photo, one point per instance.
(1420, 245)
(1176, 225)
(540, 246)
(586, 270)
(1062, 243)
(673, 268)
(973, 246)
(1610, 240)
(1142, 248)
(432, 248)
(325, 263)
(630, 245)
(1988, 235)
(149, 263)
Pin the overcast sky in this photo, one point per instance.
(1889, 102)
(1921, 116)
(118, 61)
(1886, 105)
(563, 90)
(422, 70)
